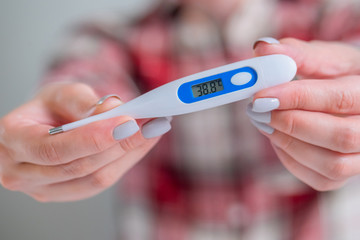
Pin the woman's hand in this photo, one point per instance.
(73, 165)
(314, 123)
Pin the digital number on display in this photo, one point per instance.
(206, 88)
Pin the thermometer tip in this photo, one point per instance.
(56, 130)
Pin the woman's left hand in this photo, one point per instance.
(314, 123)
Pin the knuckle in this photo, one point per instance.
(102, 180)
(323, 186)
(287, 143)
(73, 169)
(327, 185)
(128, 144)
(40, 197)
(344, 101)
(97, 143)
(10, 182)
(339, 169)
(300, 96)
(346, 139)
(48, 153)
(289, 123)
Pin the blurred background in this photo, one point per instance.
(30, 31)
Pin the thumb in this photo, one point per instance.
(69, 101)
(315, 59)
(106, 103)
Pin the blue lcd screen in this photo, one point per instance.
(215, 85)
(206, 88)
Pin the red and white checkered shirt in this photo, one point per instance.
(213, 176)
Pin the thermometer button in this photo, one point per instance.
(241, 78)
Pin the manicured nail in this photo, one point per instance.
(113, 97)
(106, 97)
(268, 40)
(156, 127)
(125, 130)
(262, 127)
(264, 117)
(265, 104)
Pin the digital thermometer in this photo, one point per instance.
(208, 89)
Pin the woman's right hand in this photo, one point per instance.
(72, 165)
(314, 123)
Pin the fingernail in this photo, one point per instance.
(116, 99)
(106, 97)
(125, 130)
(262, 127)
(265, 104)
(156, 127)
(264, 117)
(268, 40)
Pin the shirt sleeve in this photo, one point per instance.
(101, 61)
(322, 20)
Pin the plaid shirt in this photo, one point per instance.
(213, 176)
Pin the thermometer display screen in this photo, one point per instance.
(206, 88)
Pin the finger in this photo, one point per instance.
(32, 174)
(92, 184)
(341, 96)
(45, 149)
(78, 143)
(306, 175)
(28, 174)
(69, 101)
(335, 133)
(332, 165)
(106, 103)
(315, 59)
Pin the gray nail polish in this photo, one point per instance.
(106, 97)
(264, 117)
(265, 104)
(155, 128)
(125, 130)
(263, 127)
(268, 40)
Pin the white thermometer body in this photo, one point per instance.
(208, 89)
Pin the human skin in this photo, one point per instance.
(315, 130)
(73, 165)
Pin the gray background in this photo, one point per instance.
(29, 33)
